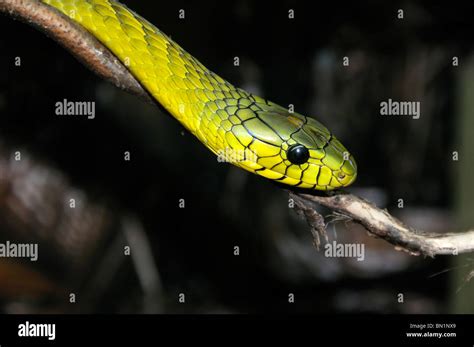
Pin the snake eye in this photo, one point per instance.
(298, 154)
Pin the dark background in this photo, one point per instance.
(297, 61)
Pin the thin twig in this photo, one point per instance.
(381, 224)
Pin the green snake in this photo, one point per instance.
(250, 132)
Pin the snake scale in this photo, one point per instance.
(251, 132)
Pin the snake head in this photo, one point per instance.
(298, 151)
(317, 156)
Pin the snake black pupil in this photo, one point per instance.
(298, 154)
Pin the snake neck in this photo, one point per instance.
(195, 96)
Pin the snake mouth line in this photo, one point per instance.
(317, 186)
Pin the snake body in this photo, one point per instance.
(247, 130)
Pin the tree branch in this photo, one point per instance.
(100, 60)
(78, 41)
(381, 224)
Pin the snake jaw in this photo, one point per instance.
(346, 175)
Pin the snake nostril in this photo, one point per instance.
(341, 175)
